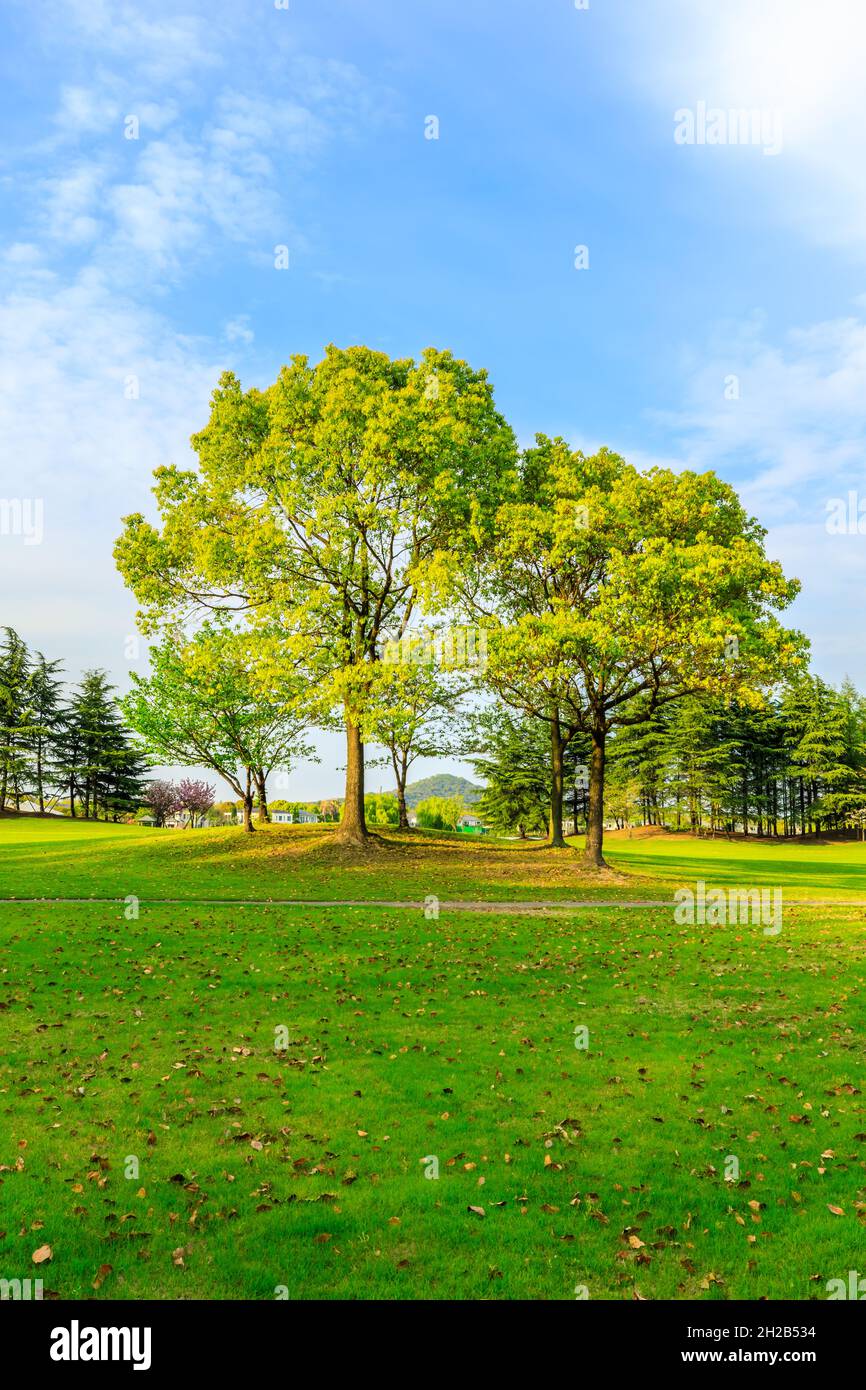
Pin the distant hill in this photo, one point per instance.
(443, 784)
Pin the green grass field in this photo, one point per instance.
(154, 1138)
(63, 858)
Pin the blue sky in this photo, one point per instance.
(153, 258)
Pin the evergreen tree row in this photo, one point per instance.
(795, 765)
(63, 750)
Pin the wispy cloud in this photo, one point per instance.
(804, 61)
(101, 379)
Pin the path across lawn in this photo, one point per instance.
(457, 905)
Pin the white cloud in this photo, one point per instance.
(794, 438)
(85, 110)
(238, 330)
(72, 203)
(159, 44)
(804, 60)
(784, 417)
(74, 439)
(97, 386)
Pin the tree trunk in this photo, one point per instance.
(353, 826)
(400, 774)
(595, 808)
(555, 838)
(745, 802)
(263, 815)
(248, 804)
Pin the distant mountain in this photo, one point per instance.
(443, 784)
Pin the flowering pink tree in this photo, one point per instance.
(161, 798)
(196, 798)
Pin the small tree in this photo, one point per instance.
(201, 706)
(196, 798)
(97, 758)
(162, 800)
(511, 753)
(14, 717)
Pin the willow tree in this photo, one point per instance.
(613, 592)
(324, 508)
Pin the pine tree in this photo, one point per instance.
(100, 761)
(14, 716)
(44, 724)
(511, 754)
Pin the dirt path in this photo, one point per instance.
(443, 904)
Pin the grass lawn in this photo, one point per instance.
(151, 1131)
(410, 1039)
(63, 858)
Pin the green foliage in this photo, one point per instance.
(382, 808)
(512, 754)
(794, 765)
(614, 592)
(440, 812)
(325, 508)
(106, 769)
(201, 705)
(412, 713)
(49, 745)
(14, 718)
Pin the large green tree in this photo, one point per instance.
(613, 592)
(326, 507)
